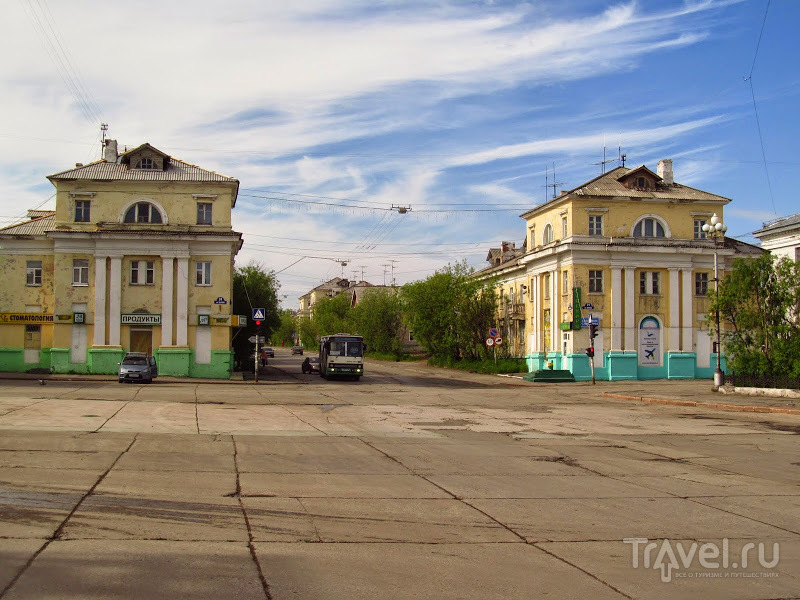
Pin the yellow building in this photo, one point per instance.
(625, 251)
(137, 256)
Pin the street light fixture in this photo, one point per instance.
(716, 230)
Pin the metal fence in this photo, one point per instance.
(765, 381)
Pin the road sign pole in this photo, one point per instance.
(258, 357)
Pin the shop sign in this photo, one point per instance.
(140, 319)
(25, 318)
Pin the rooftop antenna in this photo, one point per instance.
(555, 183)
(385, 268)
(605, 161)
(392, 261)
(344, 264)
(103, 129)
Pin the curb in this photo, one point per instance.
(717, 405)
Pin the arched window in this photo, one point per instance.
(143, 212)
(649, 227)
(547, 234)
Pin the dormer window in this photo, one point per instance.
(143, 212)
(641, 183)
(145, 163)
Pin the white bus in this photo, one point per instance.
(341, 355)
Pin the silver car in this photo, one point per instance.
(138, 366)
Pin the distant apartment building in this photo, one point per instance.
(627, 252)
(781, 237)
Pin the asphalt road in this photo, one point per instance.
(413, 482)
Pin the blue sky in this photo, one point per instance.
(330, 112)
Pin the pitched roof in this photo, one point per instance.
(38, 226)
(175, 170)
(608, 185)
(779, 225)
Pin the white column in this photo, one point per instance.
(536, 326)
(114, 300)
(630, 312)
(688, 312)
(555, 317)
(182, 301)
(674, 328)
(166, 299)
(99, 301)
(616, 309)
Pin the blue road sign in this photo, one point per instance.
(220, 300)
(258, 314)
(586, 321)
(493, 332)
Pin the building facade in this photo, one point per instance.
(137, 256)
(781, 237)
(626, 252)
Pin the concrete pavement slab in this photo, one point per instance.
(76, 459)
(593, 519)
(414, 520)
(124, 569)
(14, 554)
(137, 518)
(219, 445)
(422, 571)
(162, 417)
(305, 485)
(175, 461)
(311, 445)
(779, 511)
(168, 485)
(427, 462)
(713, 484)
(541, 486)
(375, 464)
(612, 562)
(8, 405)
(72, 415)
(279, 520)
(32, 513)
(49, 480)
(64, 441)
(249, 419)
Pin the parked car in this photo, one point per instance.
(138, 366)
(297, 350)
(270, 352)
(311, 364)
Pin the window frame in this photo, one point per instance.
(83, 211)
(596, 225)
(564, 228)
(649, 283)
(547, 234)
(564, 283)
(546, 283)
(202, 273)
(595, 278)
(149, 269)
(33, 274)
(135, 209)
(699, 234)
(205, 213)
(655, 223)
(701, 281)
(80, 272)
(146, 163)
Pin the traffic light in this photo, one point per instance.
(592, 331)
(590, 352)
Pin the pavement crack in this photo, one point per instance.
(250, 537)
(196, 417)
(60, 529)
(582, 570)
(311, 518)
(303, 420)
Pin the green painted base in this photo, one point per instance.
(220, 367)
(173, 361)
(622, 366)
(103, 361)
(680, 365)
(580, 366)
(12, 360)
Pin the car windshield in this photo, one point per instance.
(134, 360)
(313, 359)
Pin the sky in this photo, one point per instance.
(336, 115)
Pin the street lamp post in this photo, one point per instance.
(716, 230)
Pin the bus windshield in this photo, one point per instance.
(346, 348)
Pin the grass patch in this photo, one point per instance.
(504, 365)
(391, 357)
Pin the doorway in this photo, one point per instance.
(142, 340)
(33, 344)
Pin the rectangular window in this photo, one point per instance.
(82, 211)
(701, 284)
(595, 225)
(565, 282)
(546, 282)
(203, 213)
(563, 227)
(203, 273)
(33, 272)
(595, 281)
(143, 272)
(649, 282)
(699, 234)
(80, 272)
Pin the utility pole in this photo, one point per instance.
(392, 261)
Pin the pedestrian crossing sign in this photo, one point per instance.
(258, 314)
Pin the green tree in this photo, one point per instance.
(254, 287)
(332, 315)
(759, 302)
(378, 318)
(451, 312)
(286, 329)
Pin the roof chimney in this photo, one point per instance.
(110, 151)
(665, 171)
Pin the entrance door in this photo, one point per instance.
(142, 340)
(33, 344)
